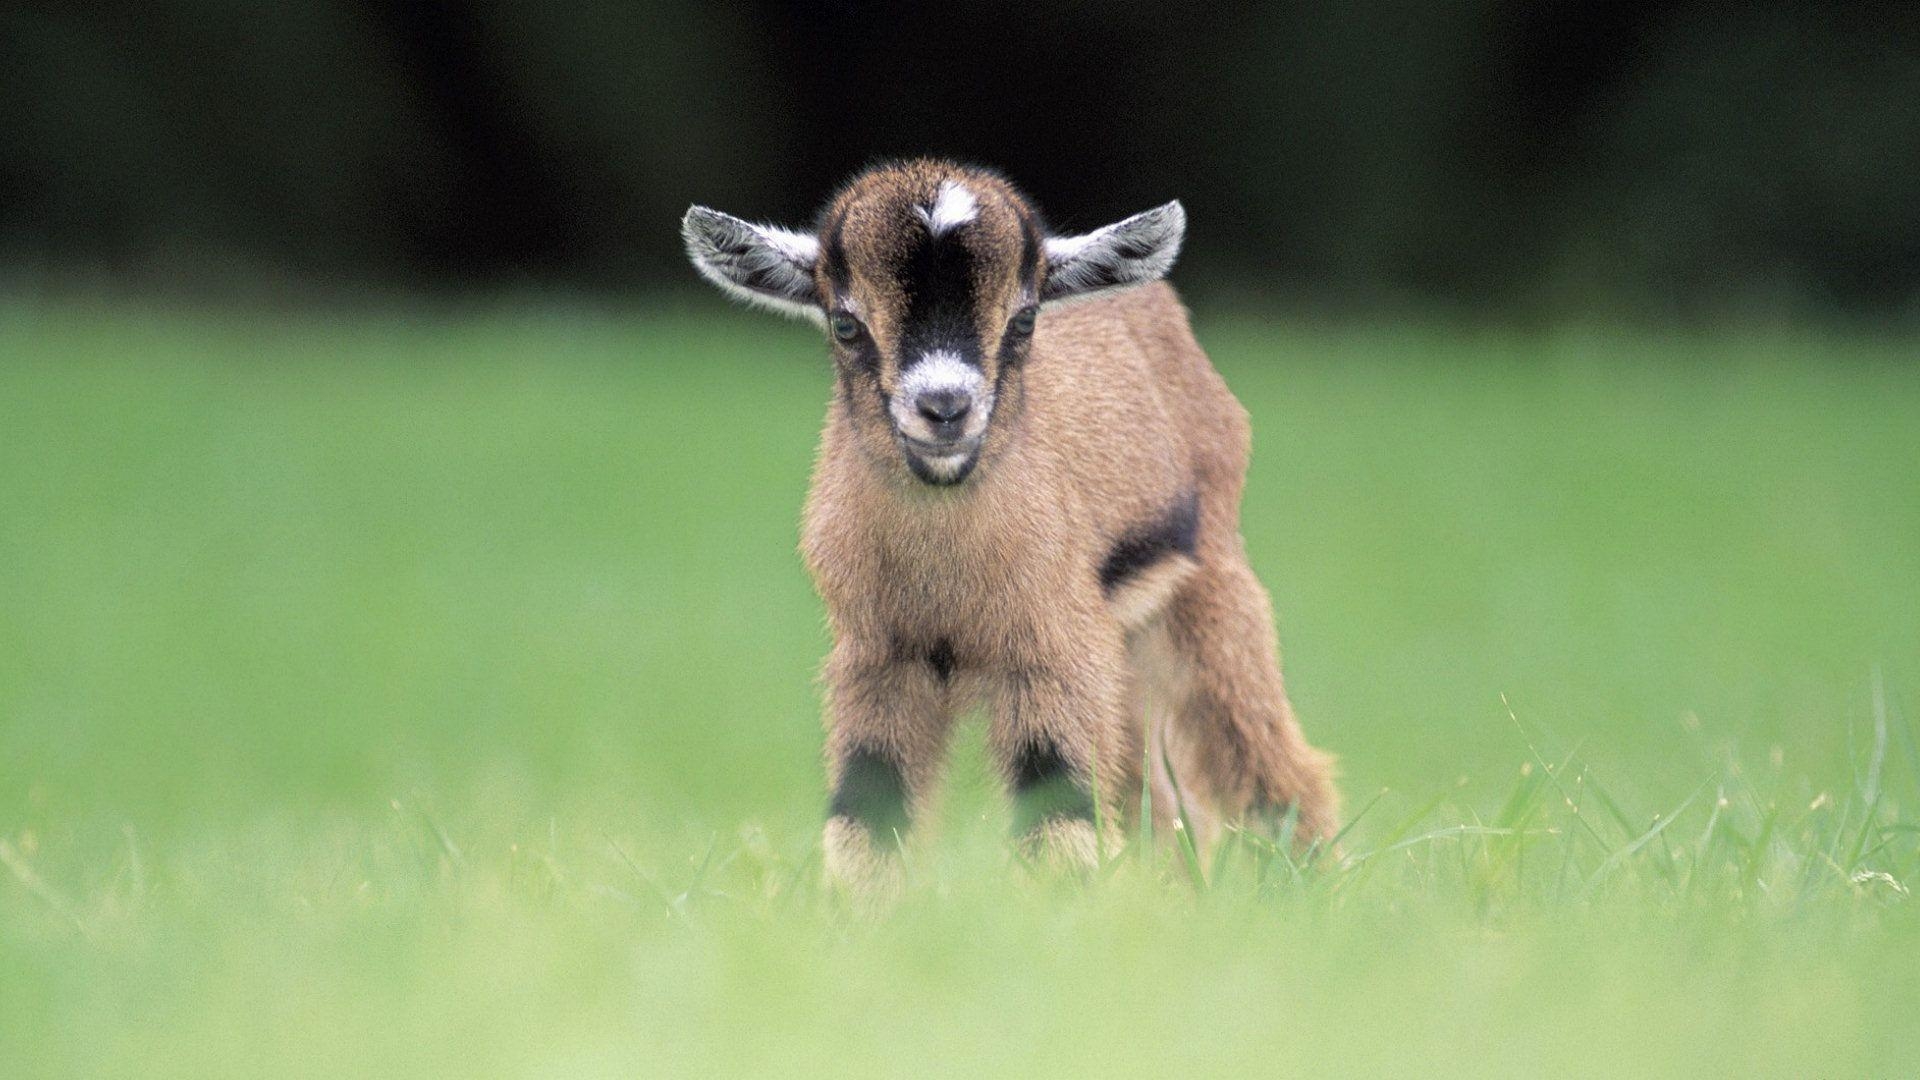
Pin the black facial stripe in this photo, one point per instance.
(872, 793)
(938, 279)
(1176, 531)
(1046, 788)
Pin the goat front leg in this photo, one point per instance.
(888, 715)
(1060, 731)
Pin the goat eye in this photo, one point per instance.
(845, 326)
(1022, 321)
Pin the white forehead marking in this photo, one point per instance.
(953, 207)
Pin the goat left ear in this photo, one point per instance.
(760, 264)
(1130, 252)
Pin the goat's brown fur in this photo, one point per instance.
(1086, 577)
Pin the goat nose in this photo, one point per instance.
(944, 408)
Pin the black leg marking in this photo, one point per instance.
(1176, 531)
(872, 793)
(1046, 789)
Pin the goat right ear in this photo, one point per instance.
(756, 263)
(1130, 252)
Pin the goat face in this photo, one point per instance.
(930, 279)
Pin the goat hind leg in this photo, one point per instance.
(1247, 751)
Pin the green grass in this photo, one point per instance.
(401, 693)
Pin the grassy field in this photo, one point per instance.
(431, 694)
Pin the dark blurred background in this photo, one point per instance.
(1660, 157)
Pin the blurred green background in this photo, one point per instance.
(427, 692)
(405, 667)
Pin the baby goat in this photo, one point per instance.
(1027, 495)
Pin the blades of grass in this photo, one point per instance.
(1189, 853)
(1266, 853)
(1334, 844)
(38, 886)
(1520, 804)
(1183, 826)
(1810, 863)
(1619, 857)
(1871, 794)
(692, 892)
(447, 847)
(1839, 833)
(791, 888)
(1443, 833)
(1703, 847)
(1099, 812)
(646, 879)
(1503, 853)
(1223, 851)
(1566, 850)
(1627, 828)
(412, 834)
(1876, 849)
(1907, 737)
(1289, 828)
(1146, 799)
(1757, 854)
(1552, 773)
(1713, 819)
(1866, 833)
(1362, 865)
(1407, 823)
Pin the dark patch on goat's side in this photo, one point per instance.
(940, 658)
(1047, 788)
(1175, 532)
(872, 793)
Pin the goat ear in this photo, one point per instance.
(756, 263)
(1130, 252)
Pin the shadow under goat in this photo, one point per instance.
(1027, 495)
